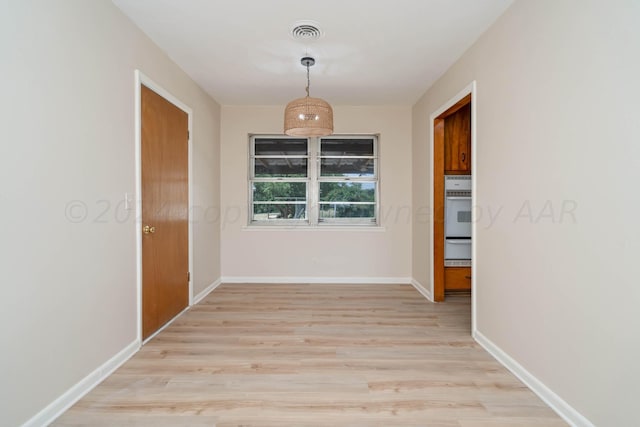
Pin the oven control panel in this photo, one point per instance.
(457, 182)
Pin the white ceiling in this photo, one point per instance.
(373, 52)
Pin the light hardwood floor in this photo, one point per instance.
(314, 355)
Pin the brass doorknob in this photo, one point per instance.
(148, 229)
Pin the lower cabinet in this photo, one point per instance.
(457, 278)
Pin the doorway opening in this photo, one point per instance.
(453, 155)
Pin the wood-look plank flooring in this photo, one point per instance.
(314, 355)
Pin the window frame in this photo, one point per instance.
(341, 179)
(313, 181)
(253, 179)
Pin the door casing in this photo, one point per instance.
(470, 89)
(142, 79)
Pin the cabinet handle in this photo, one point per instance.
(467, 277)
(464, 156)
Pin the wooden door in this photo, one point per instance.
(165, 206)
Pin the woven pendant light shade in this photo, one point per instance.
(308, 117)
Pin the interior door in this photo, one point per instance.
(165, 206)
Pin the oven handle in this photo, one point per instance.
(458, 197)
(458, 241)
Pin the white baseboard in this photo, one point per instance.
(75, 393)
(554, 401)
(206, 292)
(420, 288)
(327, 280)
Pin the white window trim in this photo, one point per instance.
(313, 181)
(251, 179)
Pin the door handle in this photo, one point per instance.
(148, 229)
(458, 241)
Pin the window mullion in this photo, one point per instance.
(266, 179)
(313, 190)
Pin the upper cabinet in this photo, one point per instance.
(457, 142)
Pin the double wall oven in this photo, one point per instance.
(457, 220)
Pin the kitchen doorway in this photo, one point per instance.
(453, 153)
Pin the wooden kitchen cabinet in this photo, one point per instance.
(457, 142)
(457, 278)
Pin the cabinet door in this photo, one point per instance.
(457, 278)
(457, 141)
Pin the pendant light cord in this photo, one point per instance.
(308, 81)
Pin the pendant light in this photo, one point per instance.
(308, 116)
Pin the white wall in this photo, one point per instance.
(68, 298)
(557, 125)
(314, 255)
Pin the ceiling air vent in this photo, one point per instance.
(306, 31)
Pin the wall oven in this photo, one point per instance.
(457, 220)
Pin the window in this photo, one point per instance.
(280, 179)
(347, 180)
(330, 180)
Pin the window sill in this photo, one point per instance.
(314, 228)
